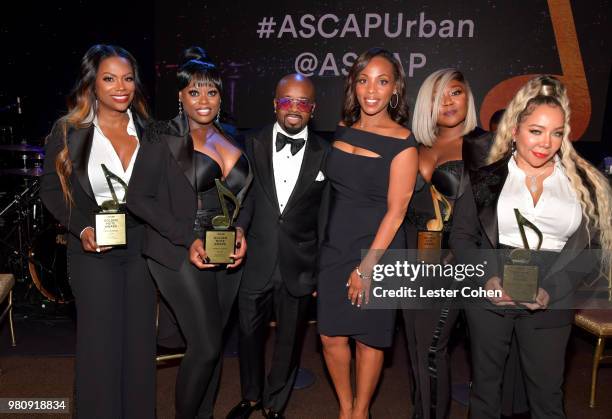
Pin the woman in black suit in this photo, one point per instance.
(444, 123)
(533, 169)
(174, 192)
(114, 293)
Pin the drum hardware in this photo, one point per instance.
(47, 264)
(20, 203)
(25, 148)
(36, 249)
(30, 160)
(29, 172)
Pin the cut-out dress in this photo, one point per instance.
(358, 204)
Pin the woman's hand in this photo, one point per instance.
(88, 241)
(358, 289)
(241, 247)
(197, 255)
(494, 284)
(541, 301)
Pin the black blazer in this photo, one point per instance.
(291, 238)
(79, 215)
(475, 148)
(162, 191)
(475, 227)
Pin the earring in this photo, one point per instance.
(396, 100)
(513, 145)
(218, 117)
(180, 108)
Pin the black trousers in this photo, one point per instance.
(542, 357)
(429, 357)
(201, 301)
(255, 308)
(514, 398)
(115, 359)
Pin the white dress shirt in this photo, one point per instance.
(557, 214)
(102, 151)
(286, 166)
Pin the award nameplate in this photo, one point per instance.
(110, 221)
(520, 280)
(220, 242)
(429, 242)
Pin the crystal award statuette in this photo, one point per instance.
(110, 227)
(429, 243)
(520, 279)
(220, 241)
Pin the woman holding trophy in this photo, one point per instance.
(444, 123)
(90, 155)
(188, 191)
(536, 193)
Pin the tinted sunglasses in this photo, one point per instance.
(302, 105)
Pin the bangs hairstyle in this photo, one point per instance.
(82, 104)
(203, 73)
(426, 108)
(351, 108)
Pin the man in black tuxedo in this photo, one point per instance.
(281, 218)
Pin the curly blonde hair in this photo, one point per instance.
(591, 187)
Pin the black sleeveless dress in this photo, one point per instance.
(358, 204)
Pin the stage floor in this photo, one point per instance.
(33, 374)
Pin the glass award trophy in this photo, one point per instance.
(521, 276)
(110, 221)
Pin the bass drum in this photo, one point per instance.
(48, 264)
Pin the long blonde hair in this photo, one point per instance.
(425, 117)
(591, 187)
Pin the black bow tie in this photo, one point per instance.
(282, 140)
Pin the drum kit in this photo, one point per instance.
(33, 243)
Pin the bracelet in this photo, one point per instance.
(361, 274)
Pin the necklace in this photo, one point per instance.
(533, 180)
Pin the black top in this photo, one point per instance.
(447, 180)
(206, 171)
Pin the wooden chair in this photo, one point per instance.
(598, 323)
(7, 281)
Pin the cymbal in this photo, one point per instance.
(34, 172)
(27, 148)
